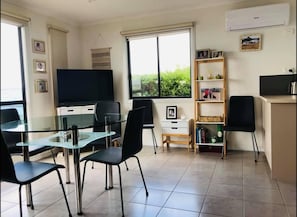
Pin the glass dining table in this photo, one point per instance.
(70, 132)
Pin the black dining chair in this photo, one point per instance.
(103, 108)
(25, 172)
(148, 122)
(241, 118)
(12, 138)
(131, 145)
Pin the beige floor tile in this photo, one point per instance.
(168, 212)
(254, 209)
(189, 202)
(226, 191)
(262, 195)
(221, 206)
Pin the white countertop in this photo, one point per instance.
(280, 99)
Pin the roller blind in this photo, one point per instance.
(158, 29)
(14, 19)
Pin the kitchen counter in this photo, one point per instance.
(280, 99)
(279, 126)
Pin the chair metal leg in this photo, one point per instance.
(121, 190)
(93, 149)
(53, 156)
(61, 183)
(20, 201)
(146, 191)
(256, 142)
(255, 153)
(84, 173)
(154, 140)
(106, 167)
(127, 168)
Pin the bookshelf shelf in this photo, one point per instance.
(209, 102)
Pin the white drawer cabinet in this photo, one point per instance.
(175, 126)
(76, 110)
(177, 131)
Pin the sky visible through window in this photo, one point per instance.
(173, 55)
(11, 82)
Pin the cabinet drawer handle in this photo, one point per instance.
(174, 128)
(90, 109)
(70, 110)
(174, 122)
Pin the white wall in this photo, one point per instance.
(244, 68)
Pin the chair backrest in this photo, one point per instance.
(241, 112)
(104, 107)
(7, 172)
(132, 141)
(148, 111)
(10, 138)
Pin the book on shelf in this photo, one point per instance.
(201, 135)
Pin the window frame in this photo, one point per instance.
(157, 35)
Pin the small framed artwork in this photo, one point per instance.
(41, 86)
(171, 112)
(211, 94)
(216, 54)
(203, 54)
(38, 46)
(251, 42)
(39, 66)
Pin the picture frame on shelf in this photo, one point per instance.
(211, 93)
(251, 42)
(39, 66)
(171, 112)
(217, 54)
(38, 46)
(203, 54)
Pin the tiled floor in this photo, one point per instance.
(180, 184)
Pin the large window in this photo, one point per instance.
(12, 80)
(159, 65)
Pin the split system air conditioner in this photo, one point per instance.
(255, 17)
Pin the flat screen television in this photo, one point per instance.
(83, 86)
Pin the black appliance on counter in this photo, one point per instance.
(276, 84)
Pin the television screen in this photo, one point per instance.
(84, 86)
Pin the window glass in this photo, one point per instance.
(11, 80)
(160, 65)
(11, 69)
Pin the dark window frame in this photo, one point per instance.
(159, 77)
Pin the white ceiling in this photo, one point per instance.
(83, 12)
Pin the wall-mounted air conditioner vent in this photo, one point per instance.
(255, 17)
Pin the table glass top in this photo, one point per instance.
(62, 123)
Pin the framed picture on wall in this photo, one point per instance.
(251, 42)
(171, 112)
(38, 46)
(41, 86)
(39, 66)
